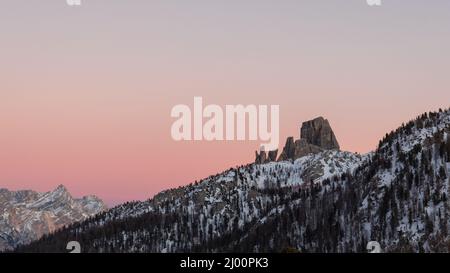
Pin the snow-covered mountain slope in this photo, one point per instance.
(311, 168)
(216, 205)
(330, 201)
(27, 215)
(398, 197)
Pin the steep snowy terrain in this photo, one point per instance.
(330, 201)
(27, 215)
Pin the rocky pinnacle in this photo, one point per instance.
(315, 136)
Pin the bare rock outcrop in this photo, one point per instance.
(265, 157)
(319, 133)
(316, 136)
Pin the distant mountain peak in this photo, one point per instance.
(27, 215)
(61, 187)
(60, 191)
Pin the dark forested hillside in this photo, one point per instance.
(332, 201)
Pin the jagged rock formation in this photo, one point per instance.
(318, 132)
(27, 215)
(263, 157)
(288, 150)
(272, 155)
(315, 136)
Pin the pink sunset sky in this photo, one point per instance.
(86, 92)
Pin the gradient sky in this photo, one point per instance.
(86, 92)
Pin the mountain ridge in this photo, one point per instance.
(396, 195)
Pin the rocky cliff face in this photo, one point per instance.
(315, 136)
(27, 215)
(263, 157)
(318, 132)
